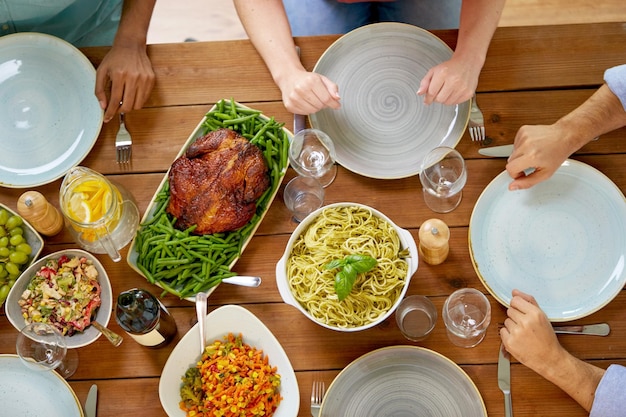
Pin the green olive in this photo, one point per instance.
(16, 240)
(24, 247)
(19, 258)
(13, 222)
(12, 268)
(4, 292)
(4, 216)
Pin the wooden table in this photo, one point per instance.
(532, 75)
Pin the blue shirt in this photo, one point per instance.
(610, 397)
(79, 22)
(615, 79)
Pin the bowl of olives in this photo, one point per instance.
(20, 245)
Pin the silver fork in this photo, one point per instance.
(123, 143)
(476, 122)
(317, 395)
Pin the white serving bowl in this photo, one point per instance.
(219, 323)
(406, 242)
(14, 311)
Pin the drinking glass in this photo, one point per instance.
(42, 347)
(466, 314)
(303, 195)
(416, 317)
(443, 176)
(312, 154)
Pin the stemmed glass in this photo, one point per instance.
(312, 154)
(42, 347)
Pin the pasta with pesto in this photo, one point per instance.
(337, 232)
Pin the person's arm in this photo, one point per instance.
(528, 336)
(455, 80)
(127, 66)
(267, 26)
(546, 147)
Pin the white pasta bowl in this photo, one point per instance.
(103, 313)
(323, 284)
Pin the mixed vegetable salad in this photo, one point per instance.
(65, 293)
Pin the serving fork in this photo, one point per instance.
(476, 122)
(123, 143)
(317, 395)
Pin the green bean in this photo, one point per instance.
(183, 263)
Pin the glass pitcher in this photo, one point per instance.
(102, 217)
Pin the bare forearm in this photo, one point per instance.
(577, 378)
(267, 26)
(479, 20)
(134, 23)
(601, 113)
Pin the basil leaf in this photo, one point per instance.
(344, 281)
(335, 263)
(361, 263)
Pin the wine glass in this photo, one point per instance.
(312, 154)
(42, 347)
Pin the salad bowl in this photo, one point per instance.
(102, 314)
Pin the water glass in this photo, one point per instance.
(443, 176)
(466, 314)
(416, 317)
(312, 154)
(303, 195)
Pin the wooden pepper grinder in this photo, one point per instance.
(42, 215)
(433, 246)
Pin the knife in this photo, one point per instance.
(504, 380)
(503, 151)
(600, 329)
(92, 399)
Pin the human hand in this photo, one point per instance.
(540, 147)
(528, 334)
(451, 82)
(308, 92)
(130, 74)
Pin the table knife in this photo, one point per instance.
(92, 400)
(503, 151)
(504, 380)
(600, 329)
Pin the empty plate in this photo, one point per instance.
(562, 241)
(403, 381)
(383, 128)
(51, 117)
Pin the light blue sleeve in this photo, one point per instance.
(615, 78)
(610, 397)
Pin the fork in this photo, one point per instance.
(123, 143)
(317, 395)
(476, 122)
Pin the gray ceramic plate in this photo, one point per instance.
(403, 381)
(384, 129)
(566, 245)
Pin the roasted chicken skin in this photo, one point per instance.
(216, 183)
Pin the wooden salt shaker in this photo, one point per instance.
(433, 241)
(42, 215)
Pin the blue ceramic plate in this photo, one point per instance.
(563, 241)
(383, 128)
(228, 319)
(25, 392)
(51, 117)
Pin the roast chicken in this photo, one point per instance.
(216, 183)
